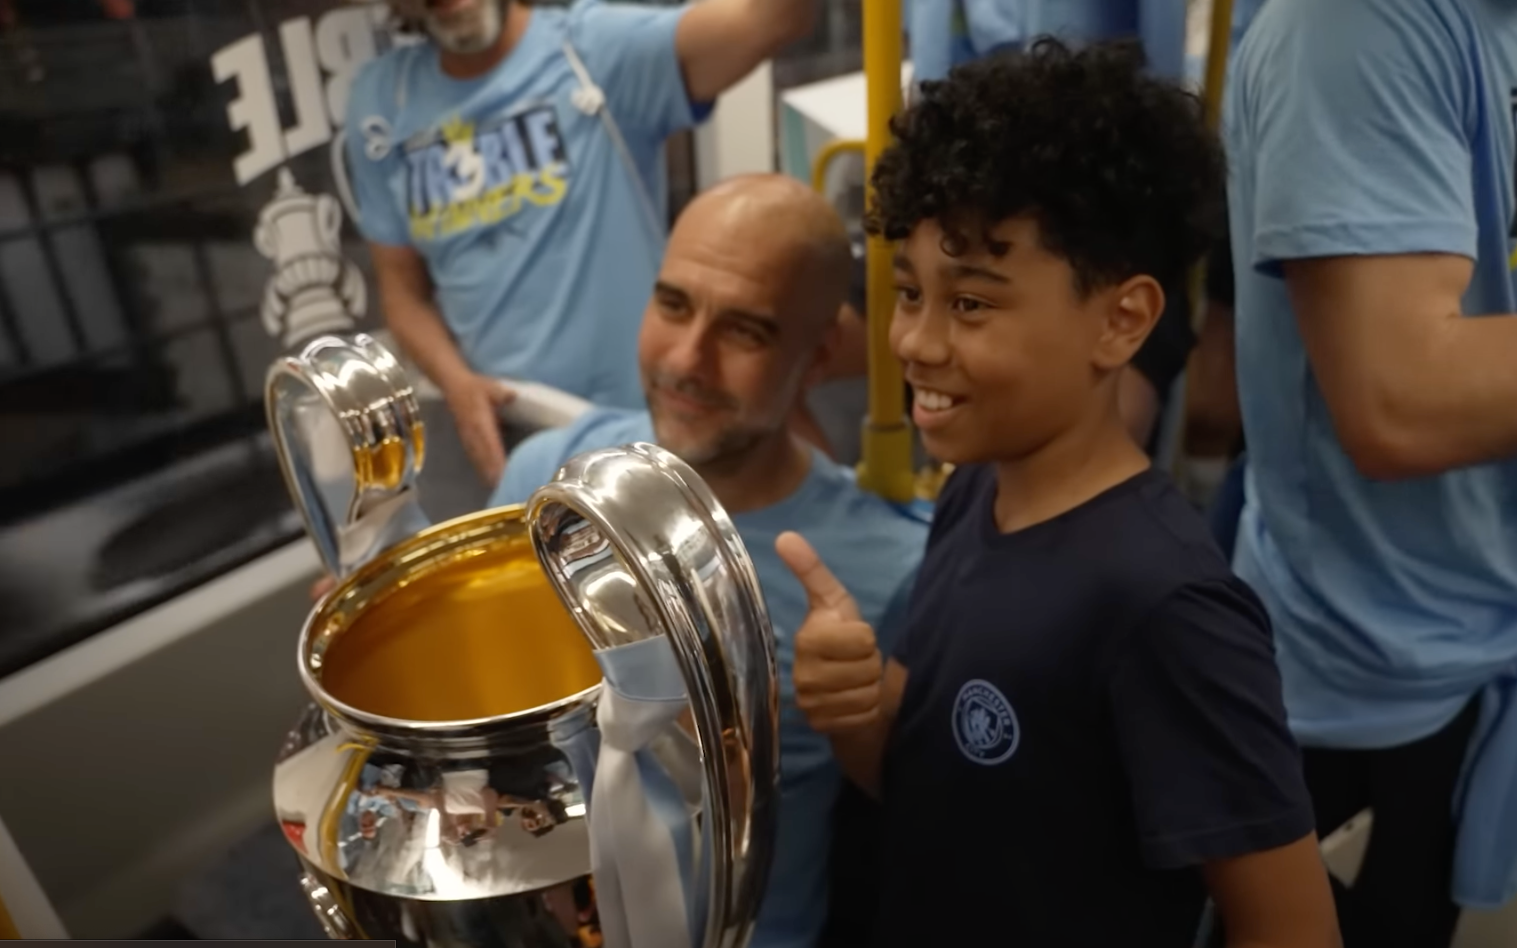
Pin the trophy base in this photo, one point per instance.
(561, 916)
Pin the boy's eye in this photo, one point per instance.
(964, 304)
(908, 294)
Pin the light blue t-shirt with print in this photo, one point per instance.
(537, 235)
(947, 33)
(874, 550)
(1373, 127)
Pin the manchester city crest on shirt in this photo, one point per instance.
(984, 725)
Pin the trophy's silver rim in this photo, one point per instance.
(408, 728)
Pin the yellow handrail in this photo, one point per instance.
(1219, 46)
(831, 152)
(886, 467)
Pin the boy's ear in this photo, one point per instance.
(1134, 310)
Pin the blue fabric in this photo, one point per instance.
(1379, 127)
(873, 549)
(534, 230)
(648, 671)
(944, 35)
(947, 33)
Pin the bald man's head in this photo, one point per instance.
(784, 226)
(755, 274)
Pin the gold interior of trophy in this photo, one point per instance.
(383, 464)
(457, 623)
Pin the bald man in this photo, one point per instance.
(742, 318)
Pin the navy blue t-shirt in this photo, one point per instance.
(1092, 711)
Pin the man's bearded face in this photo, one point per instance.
(458, 26)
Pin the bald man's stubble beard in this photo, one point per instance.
(724, 453)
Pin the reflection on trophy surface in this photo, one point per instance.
(511, 708)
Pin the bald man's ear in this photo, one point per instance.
(825, 359)
(848, 356)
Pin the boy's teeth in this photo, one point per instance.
(934, 401)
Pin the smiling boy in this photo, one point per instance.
(1082, 725)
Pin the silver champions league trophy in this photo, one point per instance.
(542, 726)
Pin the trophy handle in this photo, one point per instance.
(638, 548)
(334, 921)
(348, 431)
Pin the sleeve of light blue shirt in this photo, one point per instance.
(629, 50)
(930, 26)
(380, 218)
(1354, 118)
(531, 465)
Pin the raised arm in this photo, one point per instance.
(721, 41)
(1357, 183)
(1414, 387)
(841, 683)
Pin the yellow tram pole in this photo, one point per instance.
(1218, 49)
(886, 465)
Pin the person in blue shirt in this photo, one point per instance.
(744, 313)
(1080, 732)
(1373, 217)
(508, 176)
(948, 33)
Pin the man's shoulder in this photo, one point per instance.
(1394, 28)
(368, 91)
(862, 537)
(535, 461)
(841, 487)
(596, 21)
(596, 428)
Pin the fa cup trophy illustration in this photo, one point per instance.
(314, 289)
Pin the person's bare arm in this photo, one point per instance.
(849, 358)
(406, 292)
(861, 751)
(1414, 387)
(720, 41)
(1279, 898)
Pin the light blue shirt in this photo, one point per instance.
(1379, 127)
(872, 547)
(537, 235)
(947, 33)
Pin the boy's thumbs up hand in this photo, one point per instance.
(837, 662)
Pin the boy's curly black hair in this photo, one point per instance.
(1117, 167)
